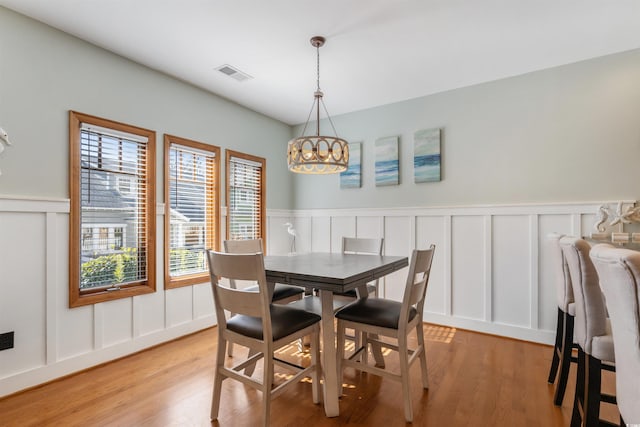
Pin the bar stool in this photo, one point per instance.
(562, 350)
(619, 271)
(592, 333)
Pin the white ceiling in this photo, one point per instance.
(377, 51)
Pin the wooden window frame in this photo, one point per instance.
(213, 242)
(76, 297)
(263, 202)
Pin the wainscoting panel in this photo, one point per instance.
(341, 226)
(75, 328)
(150, 313)
(469, 263)
(511, 268)
(304, 234)
(116, 328)
(22, 288)
(491, 273)
(179, 309)
(398, 240)
(431, 230)
(369, 227)
(320, 233)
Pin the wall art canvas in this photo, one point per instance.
(426, 155)
(352, 177)
(387, 164)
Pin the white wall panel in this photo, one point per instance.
(468, 264)
(302, 226)
(431, 230)
(22, 289)
(278, 240)
(202, 301)
(179, 306)
(116, 327)
(150, 313)
(75, 328)
(511, 269)
(369, 227)
(321, 234)
(341, 226)
(397, 241)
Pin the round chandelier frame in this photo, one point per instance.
(317, 154)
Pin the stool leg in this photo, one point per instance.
(592, 392)
(578, 400)
(557, 347)
(565, 358)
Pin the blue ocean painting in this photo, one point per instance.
(387, 164)
(351, 178)
(426, 155)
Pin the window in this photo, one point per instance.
(192, 181)
(245, 196)
(112, 217)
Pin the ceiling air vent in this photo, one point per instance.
(233, 72)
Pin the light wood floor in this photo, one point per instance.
(475, 380)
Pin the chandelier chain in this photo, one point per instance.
(318, 67)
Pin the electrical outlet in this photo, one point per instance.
(6, 340)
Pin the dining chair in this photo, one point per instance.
(366, 246)
(592, 333)
(619, 271)
(259, 325)
(564, 342)
(282, 294)
(375, 317)
(350, 245)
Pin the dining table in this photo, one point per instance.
(330, 273)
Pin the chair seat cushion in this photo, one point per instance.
(280, 291)
(374, 311)
(285, 321)
(352, 293)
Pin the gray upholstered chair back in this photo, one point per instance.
(359, 245)
(250, 246)
(591, 315)
(619, 271)
(564, 289)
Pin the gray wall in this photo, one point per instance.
(569, 133)
(44, 73)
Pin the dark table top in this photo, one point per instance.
(330, 271)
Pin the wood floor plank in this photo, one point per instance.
(475, 380)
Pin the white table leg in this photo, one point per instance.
(329, 367)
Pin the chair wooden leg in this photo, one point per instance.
(578, 400)
(592, 385)
(423, 355)
(565, 358)
(267, 385)
(365, 344)
(217, 378)
(404, 373)
(557, 348)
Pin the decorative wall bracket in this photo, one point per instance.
(620, 216)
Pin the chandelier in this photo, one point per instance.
(318, 154)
